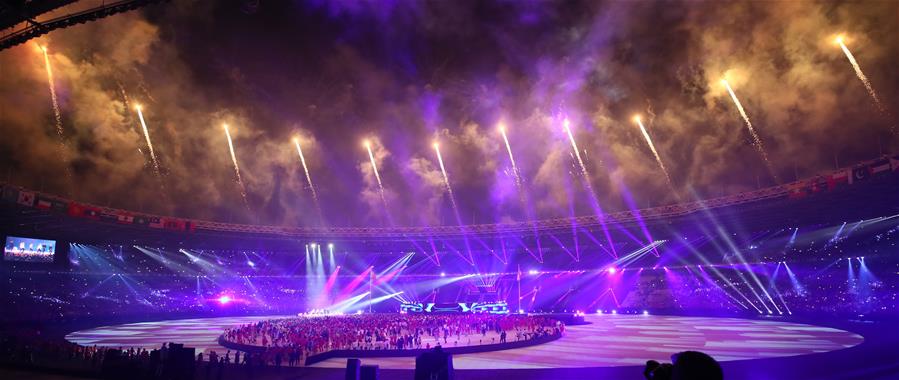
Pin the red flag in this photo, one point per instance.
(838, 178)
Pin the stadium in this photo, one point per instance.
(427, 214)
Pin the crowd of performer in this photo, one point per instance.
(291, 339)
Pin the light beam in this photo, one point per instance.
(577, 153)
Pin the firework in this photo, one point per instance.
(755, 137)
(53, 98)
(515, 173)
(653, 148)
(452, 197)
(296, 142)
(446, 182)
(243, 189)
(577, 152)
(858, 72)
(374, 168)
(595, 201)
(143, 124)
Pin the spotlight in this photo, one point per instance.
(330, 245)
(250, 263)
(225, 299)
(533, 272)
(613, 270)
(614, 312)
(645, 312)
(442, 274)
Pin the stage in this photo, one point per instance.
(607, 341)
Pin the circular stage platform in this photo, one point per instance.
(607, 341)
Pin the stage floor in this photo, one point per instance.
(609, 340)
(200, 333)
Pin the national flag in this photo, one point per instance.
(83, 211)
(173, 224)
(797, 190)
(880, 167)
(859, 174)
(124, 217)
(75, 209)
(59, 206)
(26, 198)
(837, 178)
(156, 222)
(818, 184)
(43, 203)
(108, 216)
(90, 212)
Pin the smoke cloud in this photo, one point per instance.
(406, 73)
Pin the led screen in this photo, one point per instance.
(30, 250)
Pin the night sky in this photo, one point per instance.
(404, 74)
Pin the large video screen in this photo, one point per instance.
(30, 250)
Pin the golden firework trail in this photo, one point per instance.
(861, 75)
(502, 130)
(296, 142)
(755, 137)
(143, 124)
(53, 98)
(654, 151)
(243, 189)
(374, 168)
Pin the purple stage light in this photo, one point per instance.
(613, 270)
(224, 299)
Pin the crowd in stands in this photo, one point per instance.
(293, 338)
